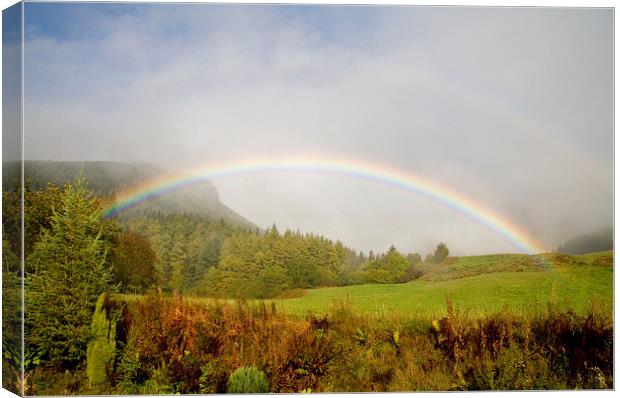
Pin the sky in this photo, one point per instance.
(510, 107)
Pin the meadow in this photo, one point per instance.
(477, 284)
(518, 283)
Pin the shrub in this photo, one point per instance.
(304, 358)
(213, 378)
(247, 379)
(164, 332)
(102, 348)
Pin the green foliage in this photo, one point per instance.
(247, 379)
(214, 377)
(39, 208)
(186, 246)
(441, 253)
(211, 258)
(133, 372)
(11, 320)
(38, 211)
(176, 267)
(134, 262)
(255, 265)
(69, 272)
(158, 383)
(101, 349)
(390, 268)
(414, 259)
(273, 280)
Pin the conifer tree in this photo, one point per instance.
(69, 273)
(441, 253)
(177, 267)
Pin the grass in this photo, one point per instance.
(478, 284)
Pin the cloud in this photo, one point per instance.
(511, 107)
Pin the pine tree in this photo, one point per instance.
(69, 274)
(12, 378)
(177, 267)
(441, 253)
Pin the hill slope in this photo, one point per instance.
(462, 267)
(108, 178)
(594, 241)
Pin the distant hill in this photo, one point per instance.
(590, 242)
(108, 178)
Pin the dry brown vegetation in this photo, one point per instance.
(173, 345)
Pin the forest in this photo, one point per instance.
(111, 307)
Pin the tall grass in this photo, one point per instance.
(177, 345)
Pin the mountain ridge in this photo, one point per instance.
(108, 178)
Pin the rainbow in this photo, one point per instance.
(351, 168)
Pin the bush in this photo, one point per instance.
(213, 378)
(247, 379)
(162, 340)
(102, 348)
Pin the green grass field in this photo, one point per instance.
(479, 284)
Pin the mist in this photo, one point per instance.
(510, 107)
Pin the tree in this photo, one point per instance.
(177, 267)
(273, 281)
(38, 207)
(389, 268)
(414, 259)
(441, 253)
(69, 272)
(134, 262)
(12, 378)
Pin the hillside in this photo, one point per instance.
(462, 267)
(480, 284)
(600, 240)
(108, 178)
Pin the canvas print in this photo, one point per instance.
(237, 198)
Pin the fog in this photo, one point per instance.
(510, 107)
